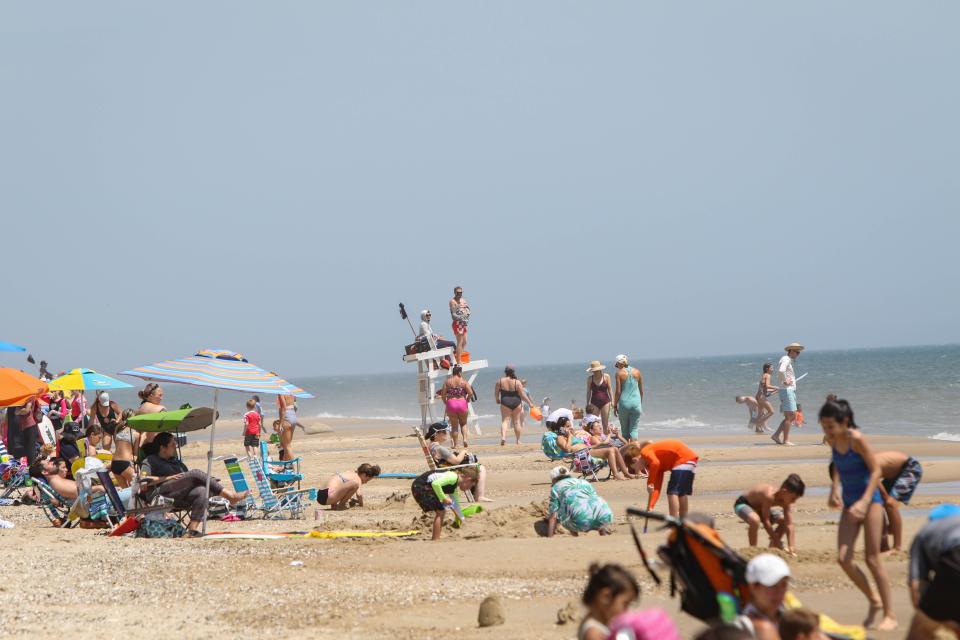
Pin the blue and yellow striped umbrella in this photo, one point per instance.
(84, 380)
(218, 369)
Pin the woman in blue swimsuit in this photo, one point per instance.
(862, 505)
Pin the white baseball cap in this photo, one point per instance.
(105, 399)
(558, 472)
(767, 569)
(621, 359)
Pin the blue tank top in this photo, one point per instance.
(854, 476)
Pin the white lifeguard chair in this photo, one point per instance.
(428, 374)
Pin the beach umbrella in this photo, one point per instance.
(84, 380)
(9, 346)
(181, 420)
(217, 369)
(16, 387)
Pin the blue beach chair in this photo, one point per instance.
(280, 473)
(279, 502)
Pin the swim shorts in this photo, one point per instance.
(681, 481)
(251, 440)
(459, 328)
(902, 486)
(743, 510)
(788, 400)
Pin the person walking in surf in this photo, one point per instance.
(628, 403)
(788, 393)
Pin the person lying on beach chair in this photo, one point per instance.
(438, 435)
(570, 444)
(756, 508)
(343, 489)
(55, 475)
(187, 488)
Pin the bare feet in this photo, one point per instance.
(774, 438)
(604, 531)
(233, 497)
(789, 444)
(872, 613)
(889, 623)
(485, 499)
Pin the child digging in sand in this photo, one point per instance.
(755, 507)
(655, 459)
(436, 490)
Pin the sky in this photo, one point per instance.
(658, 179)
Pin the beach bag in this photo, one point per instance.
(217, 507)
(160, 529)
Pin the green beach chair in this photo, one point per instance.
(246, 508)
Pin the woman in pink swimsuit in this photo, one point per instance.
(455, 392)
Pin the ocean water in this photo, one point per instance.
(903, 390)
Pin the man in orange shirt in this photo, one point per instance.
(655, 459)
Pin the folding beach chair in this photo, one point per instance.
(124, 519)
(13, 477)
(55, 507)
(282, 501)
(280, 473)
(584, 463)
(432, 464)
(246, 508)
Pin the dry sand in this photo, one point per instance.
(80, 584)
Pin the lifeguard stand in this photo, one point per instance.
(427, 376)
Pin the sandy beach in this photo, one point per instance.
(413, 588)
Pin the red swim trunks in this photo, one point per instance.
(459, 327)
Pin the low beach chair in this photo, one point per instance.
(246, 508)
(432, 464)
(584, 463)
(55, 507)
(122, 514)
(13, 477)
(279, 502)
(280, 473)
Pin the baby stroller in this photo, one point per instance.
(710, 576)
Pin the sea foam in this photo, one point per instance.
(943, 435)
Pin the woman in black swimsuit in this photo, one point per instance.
(509, 394)
(764, 390)
(106, 413)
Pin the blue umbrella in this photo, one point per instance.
(86, 379)
(9, 346)
(217, 369)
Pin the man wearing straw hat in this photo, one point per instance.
(788, 393)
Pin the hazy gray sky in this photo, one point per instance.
(656, 178)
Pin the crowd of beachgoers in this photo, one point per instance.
(54, 440)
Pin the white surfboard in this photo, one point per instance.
(47, 432)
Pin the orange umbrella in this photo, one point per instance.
(16, 387)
